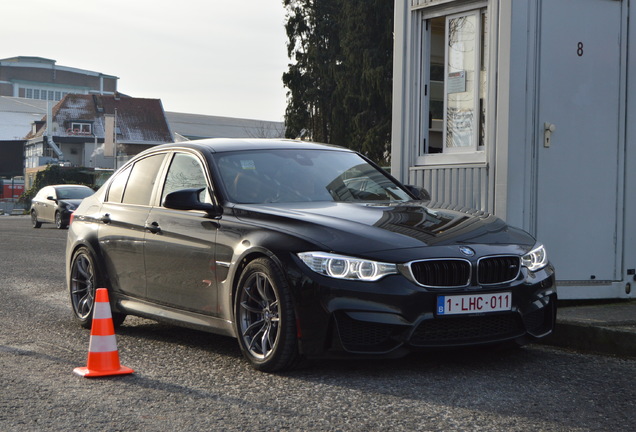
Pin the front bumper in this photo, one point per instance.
(394, 316)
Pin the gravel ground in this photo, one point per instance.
(189, 380)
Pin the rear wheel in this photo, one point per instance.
(84, 280)
(34, 220)
(264, 317)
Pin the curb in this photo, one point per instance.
(613, 340)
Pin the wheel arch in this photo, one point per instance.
(287, 352)
(101, 281)
(244, 261)
(93, 249)
(268, 246)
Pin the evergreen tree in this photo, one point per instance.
(313, 46)
(365, 84)
(340, 81)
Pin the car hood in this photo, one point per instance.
(369, 228)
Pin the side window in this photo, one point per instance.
(142, 180)
(116, 190)
(186, 172)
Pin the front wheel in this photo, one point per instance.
(264, 317)
(84, 280)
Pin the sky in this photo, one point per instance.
(213, 57)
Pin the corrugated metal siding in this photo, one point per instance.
(454, 186)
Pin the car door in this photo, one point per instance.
(48, 205)
(180, 245)
(123, 216)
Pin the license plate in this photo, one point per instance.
(473, 303)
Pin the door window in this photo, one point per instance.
(186, 172)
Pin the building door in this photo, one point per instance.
(579, 137)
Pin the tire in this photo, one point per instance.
(58, 221)
(84, 280)
(264, 317)
(34, 220)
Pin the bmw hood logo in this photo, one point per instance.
(466, 251)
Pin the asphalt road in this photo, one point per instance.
(188, 380)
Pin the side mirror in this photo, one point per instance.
(51, 198)
(419, 192)
(188, 199)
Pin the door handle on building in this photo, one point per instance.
(548, 128)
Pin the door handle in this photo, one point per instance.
(548, 128)
(106, 218)
(153, 227)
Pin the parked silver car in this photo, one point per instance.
(55, 204)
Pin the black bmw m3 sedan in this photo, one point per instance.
(302, 250)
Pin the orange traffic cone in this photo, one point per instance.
(103, 357)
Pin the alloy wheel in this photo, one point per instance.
(259, 320)
(82, 286)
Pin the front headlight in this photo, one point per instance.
(536, 259)
(344, 267)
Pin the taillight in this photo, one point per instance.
(70, 221)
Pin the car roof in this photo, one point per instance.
(220, 145)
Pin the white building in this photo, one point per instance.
(40, 78)
(521, 108)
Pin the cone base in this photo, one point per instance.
(87, 373)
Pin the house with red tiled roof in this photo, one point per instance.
(96, 131)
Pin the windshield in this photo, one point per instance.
(304, 175)
(73, 192)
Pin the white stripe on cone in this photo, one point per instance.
(102, 310)
(102, 344)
